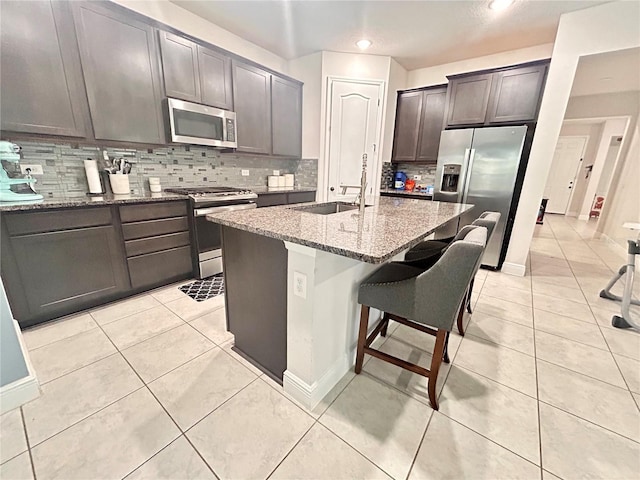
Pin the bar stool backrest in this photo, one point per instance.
(489, 220)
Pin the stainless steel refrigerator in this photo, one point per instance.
(480, 166)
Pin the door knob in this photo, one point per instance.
(332, 189)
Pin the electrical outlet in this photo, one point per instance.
(299, 284)
(245, 173)
(35, 169)
(417, 177)
(276, 172)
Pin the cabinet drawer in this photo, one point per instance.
(145, 211)
(151, 228)
(25, 223)
(271, 199)
(160, 267)
(301, 197)
(155, 244)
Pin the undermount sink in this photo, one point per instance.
(328, 208)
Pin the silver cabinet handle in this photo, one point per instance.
(467, 175)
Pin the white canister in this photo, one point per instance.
(155, 188)
(154, 181)
(93, 177)
(273, 181)
(289, 179)
(281, 182)
(119, 183)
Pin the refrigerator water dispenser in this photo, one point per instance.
(450, 178)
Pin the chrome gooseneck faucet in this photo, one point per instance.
(362, 187)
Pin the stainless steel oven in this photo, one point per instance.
(197, 124)
(207, 236)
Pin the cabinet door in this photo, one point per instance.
(286, 117)
(42, 88)
(65, 271)
(431, 124)
(180, 67)
(516, 94)
(252, 103)
(215, 78)
(468, 99)
(405, 138)
(122, 74)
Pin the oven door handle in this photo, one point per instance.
(201, 212)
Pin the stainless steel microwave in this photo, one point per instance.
(201, 125)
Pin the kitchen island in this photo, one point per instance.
(292, 277)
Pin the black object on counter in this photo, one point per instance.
(543, 208)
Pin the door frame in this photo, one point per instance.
(323, 180)
(575, 175)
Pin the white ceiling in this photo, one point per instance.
(416, 33)
(610, 72)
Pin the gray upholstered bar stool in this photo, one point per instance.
(427, 300)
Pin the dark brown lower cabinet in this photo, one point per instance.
(284, 198)
(161, 267)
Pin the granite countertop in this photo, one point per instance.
(385, 229)
(269, 190)
(86, 201)
(393, 191)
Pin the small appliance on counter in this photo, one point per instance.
(14, 186)
(410, 185)
(400, 180)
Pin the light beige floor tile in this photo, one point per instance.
(110, 443)
(308, 460)
(198, 387)
(64, 356)
(506, 310)
(411, 383)
(251, 434)
(503, 365)
(228, 347)
(623, 342)
(383, 424)
(213, 325)
(170, 292)
(12, 439)
(188, 309)
(549, 476)
(598, 402)
(492, 410)
(425, 342)
(124, 308)
(177, 461)
(567, 281)
(580, 358)
(577, 330)
(558, 291)
(567, 308)
(604, 316)
(162, 353)
(497, 279)
(75, 396)
(630, 369)
(574, 448)
(57, 330)
(502, 332)
(18, 468)
(140, 326)
(452, 451)
(515, 295)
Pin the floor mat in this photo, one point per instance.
(202, 290)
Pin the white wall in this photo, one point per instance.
(609, 164)
(308, 69)
(397, 81)
(604, 28)
(13, 366)
(438, 74)
(187, 22)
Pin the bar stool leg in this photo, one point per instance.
(362, 337)
(460, 320)
(436, 360)
(385, 325)
(469, 296)
(445, 356)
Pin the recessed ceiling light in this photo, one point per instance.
(499, 4)
(363, 44)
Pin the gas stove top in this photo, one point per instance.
(214, 194)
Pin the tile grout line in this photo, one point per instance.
(424, 435)
(26, 437)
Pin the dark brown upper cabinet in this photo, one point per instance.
(468, 98)
(286, 117)
(252, 103)
(195, 73)
(122, 74)
(41, 76)
(419, 123)
(506, 95)
(516, 94)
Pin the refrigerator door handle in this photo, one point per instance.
(467, 176)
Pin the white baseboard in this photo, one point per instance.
(311, 395)
(514, 269)
(23, 390)
(583, 217)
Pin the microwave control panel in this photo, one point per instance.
(231, 130)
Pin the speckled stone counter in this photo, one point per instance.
(405, 193)
(385, 229)
(86, 201)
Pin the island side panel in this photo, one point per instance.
(255, 273)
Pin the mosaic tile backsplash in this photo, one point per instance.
(177, 166)
(428, 173)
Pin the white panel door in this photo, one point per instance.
(564, 169)
(353, 131)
